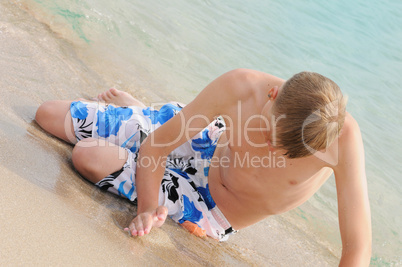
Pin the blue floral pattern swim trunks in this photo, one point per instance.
(184, 189)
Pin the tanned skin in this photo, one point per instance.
(245, 192)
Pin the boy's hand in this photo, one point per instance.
(143, 223)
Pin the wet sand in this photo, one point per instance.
(52, 216)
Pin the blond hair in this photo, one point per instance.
(314, 110)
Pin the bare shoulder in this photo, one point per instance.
(222, 95)
(242, 83)
(350, 134)
(350, 147)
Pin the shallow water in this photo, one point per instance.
(65, 49)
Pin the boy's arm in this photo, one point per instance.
(353, 203)
(218, 98)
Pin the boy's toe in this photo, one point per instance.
(114, 91)
(108, 95)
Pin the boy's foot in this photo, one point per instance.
(119, 98)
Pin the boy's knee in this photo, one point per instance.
(44, 112)
(85, 159)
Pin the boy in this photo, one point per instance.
(250, 145)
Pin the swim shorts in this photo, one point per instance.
(184, 188)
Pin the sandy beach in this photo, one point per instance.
(52, 216)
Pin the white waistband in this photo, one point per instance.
(220, 218)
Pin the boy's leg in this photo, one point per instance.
(55, 118)
(96, 158)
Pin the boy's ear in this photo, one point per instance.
(273, 92)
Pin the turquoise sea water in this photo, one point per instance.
(175, 48)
